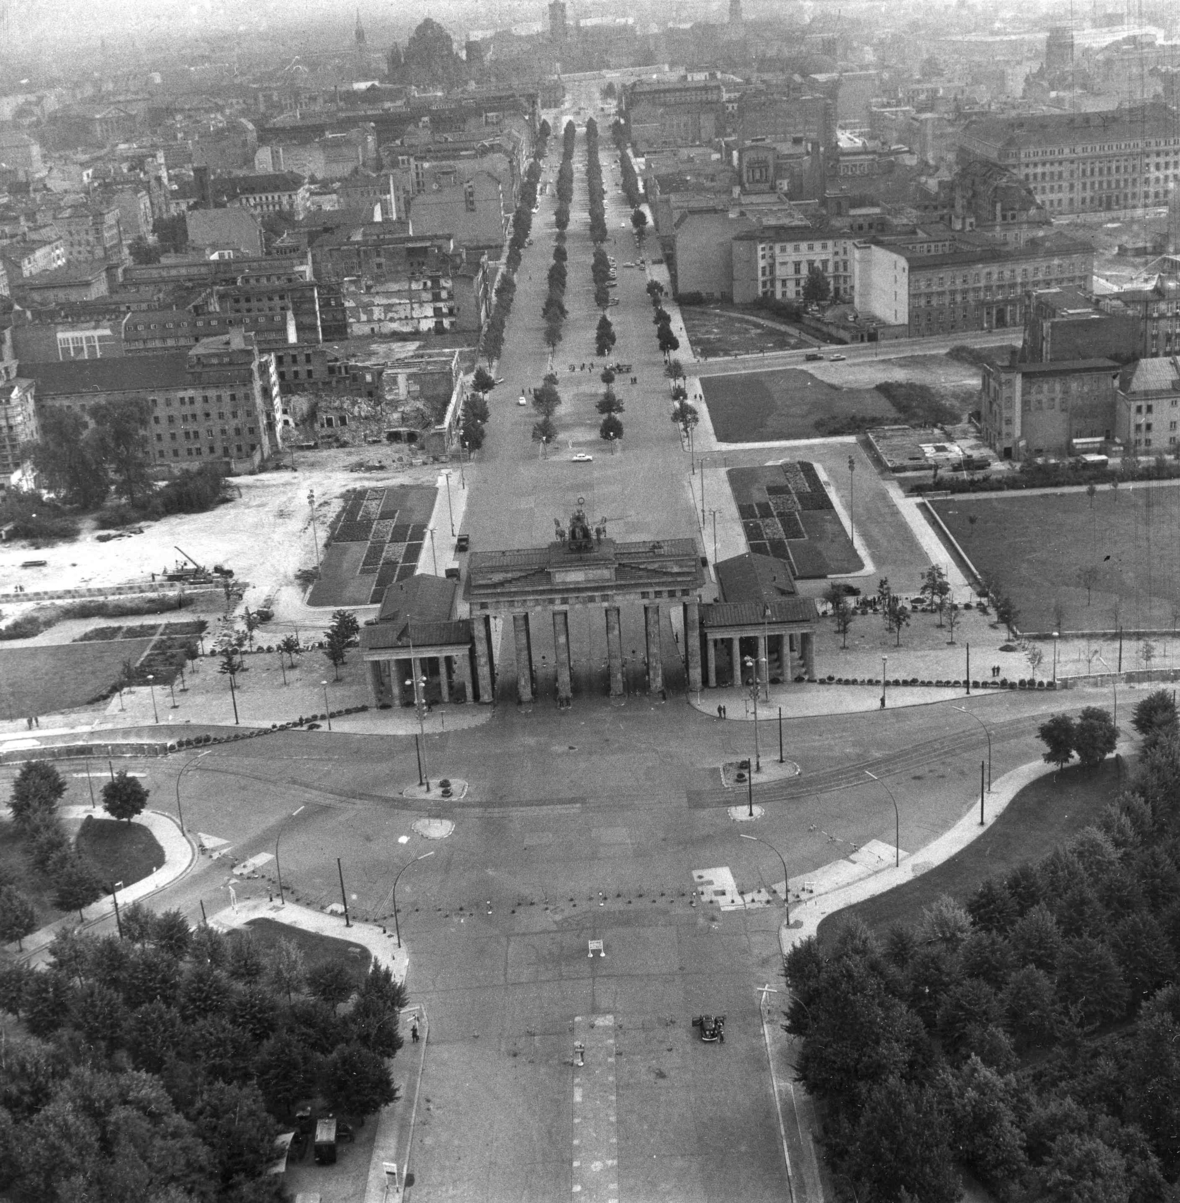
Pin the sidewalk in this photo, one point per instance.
(179, 855)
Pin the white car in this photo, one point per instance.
(581, 458)
(522, 400)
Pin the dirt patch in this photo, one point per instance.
(757, 407)
(716, 333)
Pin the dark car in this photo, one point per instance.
(812, 355)
(712, 1028)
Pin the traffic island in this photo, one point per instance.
(444, 789)
(733, 772)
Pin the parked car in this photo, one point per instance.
(522, 400)
(712, 1028)
(837, 358)
(812, 355)
(581, 458)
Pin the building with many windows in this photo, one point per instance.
(1128, 158)
(1148, 418)
(774, 261)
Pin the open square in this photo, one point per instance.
(1039, 548)
(768, 407)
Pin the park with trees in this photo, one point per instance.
(1026, 1032)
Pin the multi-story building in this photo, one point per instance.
(1148, 419)
(21, 154)
(468, 205)
(18, 413)
(273, 309)
(91, 233)
(774, 261)
(276, 192)
(673, 113)
(426, 299)
(1040, 409)
(217, 403)
(1064, 324)
(82, 281)
(313, 368)
(1156, 308)
(1127, 158)
(32, 257)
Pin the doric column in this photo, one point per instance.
(374, 667)
(482, 634)
(614, 650)
(444, 683)
(808, 649)
(655, 663)
(762, 668)
(692, 644)
(561, 654)
(711, 662)
(735, 656)
(524, 661)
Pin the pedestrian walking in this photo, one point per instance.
(718, 714)
(414, 1031)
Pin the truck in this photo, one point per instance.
(325, 1141)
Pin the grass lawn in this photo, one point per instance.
(1037, 546)
(717, 332)
(126, 852)
(57, 677)
(317, 949)
(764, 407)
(1043, 815)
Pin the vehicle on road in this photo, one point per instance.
(712, 1028)
(812, 355)
(325, 1141)
(581, 457)
(522, 400)
(837, 358)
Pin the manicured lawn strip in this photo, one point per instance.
(126, 852)
(317, 949)
(57, 677)
(1040, 817)
(1037, 545)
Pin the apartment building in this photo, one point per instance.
(1148, 400)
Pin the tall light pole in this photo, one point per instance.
(462, 474)
(1056, 636)
(393, 893)
(765, 657)
(433, 553)
(896, 817)
(450, 511)
(327, 708)
(314, 533)
(714, 513)
(786, 880)
(188, 764)
(419, 686)
(753, 665)
(151, 680)
(987, 732)
(884, 661)
(852, 499)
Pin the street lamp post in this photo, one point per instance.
(233, 697)
(433, 552)
(393, 893)
(896, 818)
(419, 686)
(786, 880)
(714, 513)
(327, 708)
(987, 732)
(314, 533)
(279, 868)
(753, 665)
(884, 661)
(115, 887)
(1056, 636)
(450, 511)
(462, 473)
(151, 680)
(188, 764)
(852, 499)
(764, 659)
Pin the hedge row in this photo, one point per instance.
(1002, 683)
(302, 720)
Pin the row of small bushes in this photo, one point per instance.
(201, 740)
(1002, 683)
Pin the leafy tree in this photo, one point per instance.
(172, 935)
(35, 793)
(100, 1015)
(152, 976)
(639, 223)
(1029, 1006)
(935, 589)
(992, 907)
(483, 381)
(142, 251)
(120, 436)
(1089, 982)
(968, 1003)
(124, 797)
(609, 403)
(76, 885)
(985, 1132)
(610, 428)
(1155, 714)
(356, 1081)
(988, 956)
(286, 1073)
(604, 336)
(18, 918)
(233, 1122)
(205, 991)
(686, 417)
(254, 1010)
(346, 622)
(655, 290)
(1144, 954)
(544, 431)
(897, 617)
(1087, 577)
(331, 983)
(944, 922)
(69, 463)
(476, 409)
(1081, 1169)
(290, 645)
(1008, 614)
(817, 288)
(1059, 735)
(471, 435)
(335, 649)
(843, 616)
(48, 842)
(286, 969)
(1095, 735)
(666, 340)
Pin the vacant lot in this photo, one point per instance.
(52, 678)
(1042, 548)
(766, 407)
(1043, 815)
(716, 333)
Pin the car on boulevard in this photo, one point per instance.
(581, 457)
(836, 358)
(522, 400)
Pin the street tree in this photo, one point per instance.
(675, 370)
(604, 336)
(843, 615)
(483, 381)
(610, 429)
(655, 290)
(1095, 735)
(609, 402)
(290, 646)
(686, 417)
(667, 341)
(76, 885)
(331, 983)
(953, 614)
(897, 617)
(356, 1081)
(124, 797)
(1087, 577)
(1058, 735)
(544, 431)
(1155, 714)
(476, 408)
(935, 589)
(70, 464)
(35, 793)
(639, 224)
(347, 623)
(336, 649)
(1008, 614)
(286, 969)
(817, 288)
(18, 918)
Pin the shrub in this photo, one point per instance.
(26, 627)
